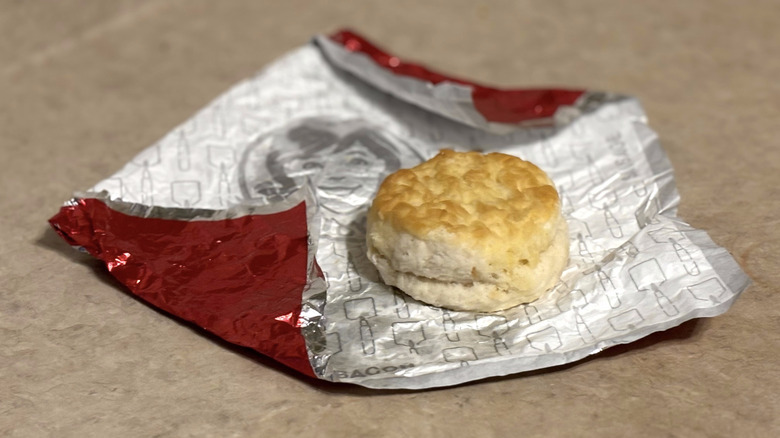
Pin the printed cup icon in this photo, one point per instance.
(185, 193)
(149, 157)
(628, 320)
(462, 355)
(545, 340)
(575, 299)
(220, 156)
(359, 308)
(579, 300)
(708, 290)
(647, 273)
(409, 334)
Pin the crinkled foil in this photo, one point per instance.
(328, 119)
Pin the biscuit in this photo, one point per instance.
(469, 231)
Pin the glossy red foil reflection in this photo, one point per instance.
(240, 278)
(496, 105)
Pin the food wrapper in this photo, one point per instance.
(248, 220)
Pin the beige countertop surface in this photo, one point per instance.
(84, 86)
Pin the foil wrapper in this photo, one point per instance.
(249, 221)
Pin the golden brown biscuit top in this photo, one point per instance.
(504, 207)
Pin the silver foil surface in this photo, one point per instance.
(328, 121)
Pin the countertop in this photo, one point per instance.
(84, 86)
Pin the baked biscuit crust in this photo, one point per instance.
(469, 231)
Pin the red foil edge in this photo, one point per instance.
(240, 278)
(495, 105)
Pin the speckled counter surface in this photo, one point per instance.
(84, 86)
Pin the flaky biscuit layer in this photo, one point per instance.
(485, 227)
(442, 276)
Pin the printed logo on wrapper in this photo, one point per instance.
(345, 160)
